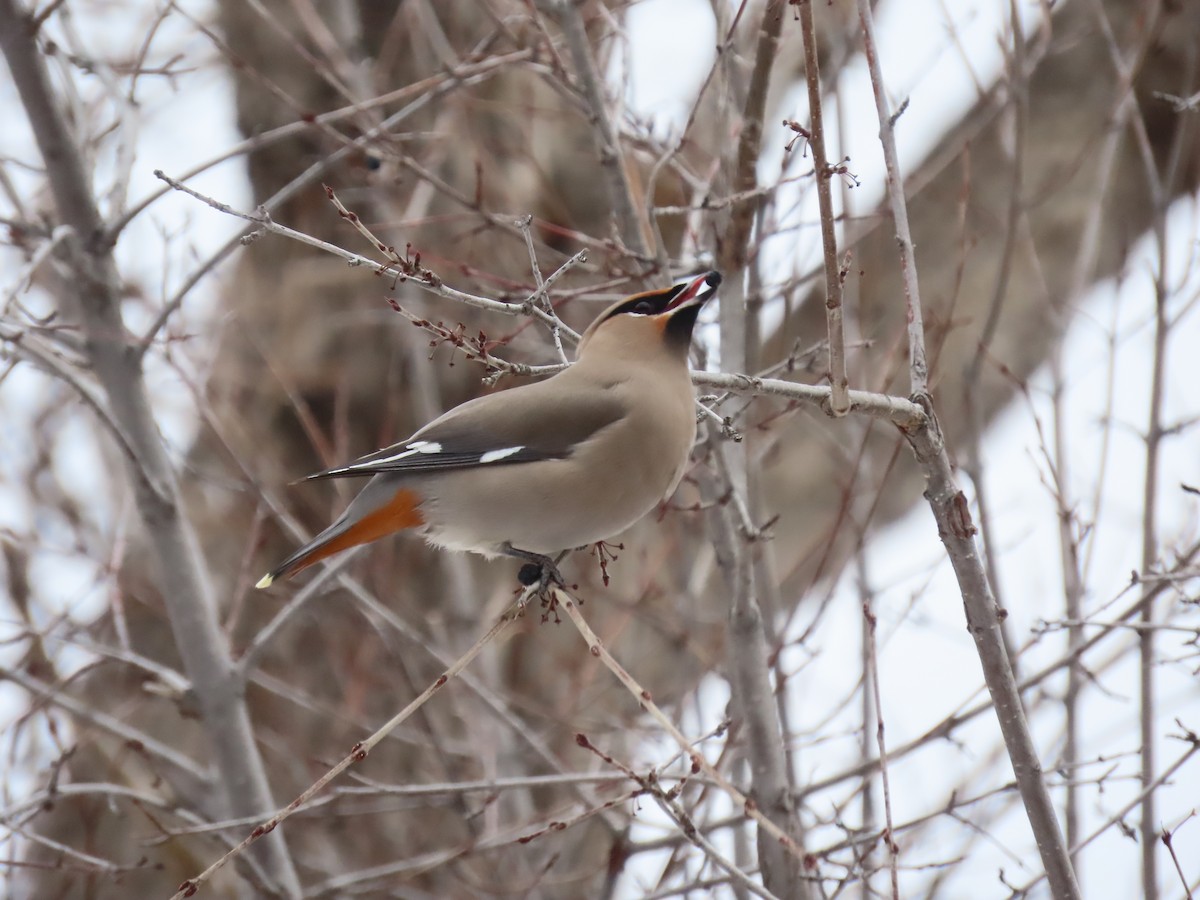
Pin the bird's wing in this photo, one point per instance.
(520, 425)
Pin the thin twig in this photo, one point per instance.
(540, 295)
(896, 409)
(1168, 838)
(838, 379)
(570, 605)
(1125, 810)
(734, 249)
(608, 146)
(411, 269)
(957, 531)
(1148, 825)
(360, 750)
(889, 834)
(918, 367)
(94, 296)
(668, 801)
(192, 771)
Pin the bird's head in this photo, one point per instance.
(651, 321)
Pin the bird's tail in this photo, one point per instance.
(367, 519)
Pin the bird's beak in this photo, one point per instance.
(697, 292)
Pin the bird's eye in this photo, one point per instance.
(644, 308)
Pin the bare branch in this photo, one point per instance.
(401, 267)
(838, 379)
(897, 410)
(918, 367)
(597, 649)
(608, 145)
(902, 412)
(540, 294)
(738, 329)
(668, 801)
(96, 301)
(193, 774)
(956, 530)
(889, 833)
(360, 750)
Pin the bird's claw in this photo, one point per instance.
(544, 575)
(529, 574)
(538, 569)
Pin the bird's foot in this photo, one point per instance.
(539, 569)
(533, 573)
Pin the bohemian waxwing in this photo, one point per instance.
(547, 466)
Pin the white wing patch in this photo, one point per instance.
(409, 450)
(497, 455)
(423, 448)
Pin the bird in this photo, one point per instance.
(546, 466)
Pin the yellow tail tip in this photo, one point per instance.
(265, 582)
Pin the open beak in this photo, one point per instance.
(697, 292)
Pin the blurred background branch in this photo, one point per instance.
(1051, 168)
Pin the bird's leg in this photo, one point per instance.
(538, 568)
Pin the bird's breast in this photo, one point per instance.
(608, 483)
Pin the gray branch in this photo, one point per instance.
(608, 146)
(95, 300)
(957, 531)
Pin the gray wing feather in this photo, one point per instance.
(524, 424)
